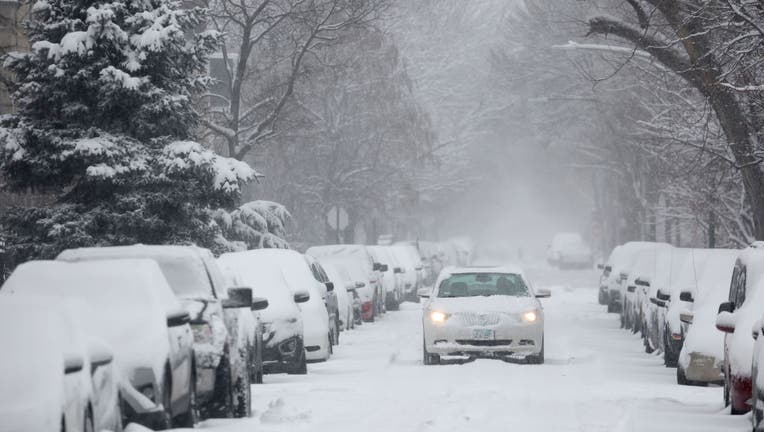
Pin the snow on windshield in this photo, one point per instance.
(483, 284)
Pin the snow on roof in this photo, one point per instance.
(181, 265)
(127, 302)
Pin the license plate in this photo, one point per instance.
(483, 334)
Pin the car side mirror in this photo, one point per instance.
(543, 293)
(73, 364)
(600, 267)
(663, 296)
(178, 318)
(360, 284)
(238, 298)
(642, 282)
(398, 270)
(301, 296)
(384, 267)
(631, 288)
(657, 302)
(259, 303)
(726, 307)
(329, 286)
(686, 296)
(423, 292)
(725, 322)
(100, 355)
(686, 317)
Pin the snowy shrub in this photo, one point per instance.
(105, 125)
(254, 225)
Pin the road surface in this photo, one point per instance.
(596, 378)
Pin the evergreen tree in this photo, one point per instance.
(106, 113)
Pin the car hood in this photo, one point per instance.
(509, 304)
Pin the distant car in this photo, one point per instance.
(131, 308)
(364, 268)
(284, 349)
(328, 292)
(483, 312)
(701, 359)
(225, 342)
(621, 262)
(569, 250)
(52, 376)
(344, 287)
(392, 275)
(736, 319)
(411, 267)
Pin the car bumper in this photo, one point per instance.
(509, 341)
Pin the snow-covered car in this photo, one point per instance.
(666, 268)
(392, 275)
(221, 319)
(569, 250)
(647, 263)
(283, 346)
(736, 319)
(132, 309)
(620, 263)
(364, 268)
(344, 287)
(317, 334)
(410, 267)
(329, 294)
(52, 375)
(701, 357)
(483, 312)
(419, 266)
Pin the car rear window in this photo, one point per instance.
(483, 284)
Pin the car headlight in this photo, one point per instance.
(530, 316)
(438, 317)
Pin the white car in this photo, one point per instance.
(569, 250)
(282, 322)
(483, 312)
(52, 375)
(343, 287)
(315, 317)
(131, 308)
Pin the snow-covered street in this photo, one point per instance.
(596, 378)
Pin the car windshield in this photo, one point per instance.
(483, 284)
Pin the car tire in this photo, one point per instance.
(329, 347)
(302, 366)
(242, 390)
(538, 358)
(681, 376)
(192, 416)
(88, 424)
(222, 403)
(165, 422)
(427, 358)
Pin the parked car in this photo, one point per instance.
(53, 376)
(131, 308)
(483, 312)
(603, 296)
(364, 269)
(736, 319)
(329, 294)
(317, 333)
(620, 263)
(701, 358)
(224, 329)
(665, 270)
(392, 275)
(282, 322)
(344, 287)
(569, 250)
(418, 264)
(410, 268)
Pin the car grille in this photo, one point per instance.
(485, 343)
(473, 319)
